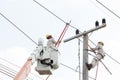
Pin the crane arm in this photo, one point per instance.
(24, 71)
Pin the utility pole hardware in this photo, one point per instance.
(85, 45)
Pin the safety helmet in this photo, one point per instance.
(40, 41)
(100, 42)
(48, 36)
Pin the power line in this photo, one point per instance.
(6, 73)
(8, 69)
(26, 34)
(108, 9)
(61, 20)
(75, 70)
(19, 67)
(53, 13)
(18, 28)
(38, 76)
(70, 25)
(109, 16)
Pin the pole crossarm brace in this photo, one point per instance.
(85, 32)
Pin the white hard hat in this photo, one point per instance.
(40, 41)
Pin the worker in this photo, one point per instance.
(51, 42)
(53, 51)
(46, 56)
(98, 50)
(38, 52)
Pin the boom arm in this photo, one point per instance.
(24, 71)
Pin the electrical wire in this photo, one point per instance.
(108, 9)
(53, 13)
(8, 69)
(34, 74)
(55, 16)
(58, 18)
(109, 16)
(18, 28)
(100, 8)
(6, 73)
(75, 70)
(23, 33)
(71, 26)
(20, 67)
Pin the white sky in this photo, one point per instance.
(37, 22)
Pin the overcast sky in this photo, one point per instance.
(37, 22)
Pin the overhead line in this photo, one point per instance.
(108, 15)
(74, 70)
(108, 9)
(25, 33)
(52, 13)
(4, 72)
(8, 69)
(18, 28)
(19, 67)
(73, 26)
(58, 18)
(9, 72)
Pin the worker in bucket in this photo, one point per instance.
(53, 51)
(36, 54)
(98, 50)
(51, 42)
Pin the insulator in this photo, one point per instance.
(77, 31)
(103, 21)
(96, 23)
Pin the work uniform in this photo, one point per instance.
(99, 55)
(53, 51)
(38, 52)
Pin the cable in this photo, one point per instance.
(4, 72)
(9, 62)
(8, 69)
(108, 9)
(70, 25)
(53, 13)
(26, 34)
(10, 72)
(18, 28)
(74, 70)
(110, 16)
(19, 67)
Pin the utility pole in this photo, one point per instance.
(77, 32)
(85, 56)
(85, 45)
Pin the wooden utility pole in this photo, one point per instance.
(85, 46)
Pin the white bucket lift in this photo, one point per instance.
(48, 61)
(43, 69)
